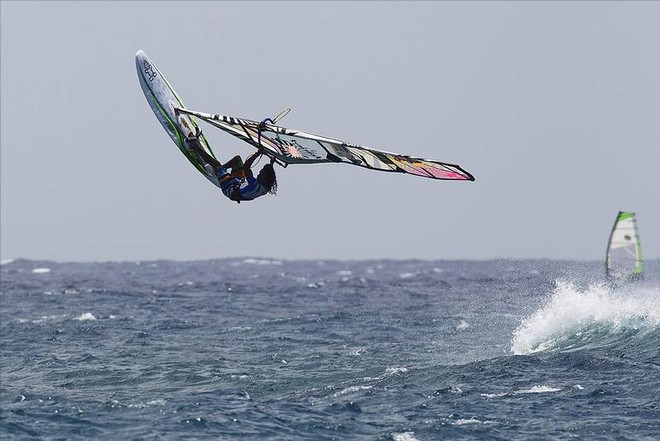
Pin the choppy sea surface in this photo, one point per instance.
(264, 349)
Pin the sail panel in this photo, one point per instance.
(624, 250)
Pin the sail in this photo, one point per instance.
(624, 250)
(297, 147)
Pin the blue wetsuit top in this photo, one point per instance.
(238, 190)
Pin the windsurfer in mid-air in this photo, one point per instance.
(239, 184)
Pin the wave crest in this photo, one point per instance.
(594, 317)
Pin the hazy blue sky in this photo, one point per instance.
(553, 106)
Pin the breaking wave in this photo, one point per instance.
(592, 318)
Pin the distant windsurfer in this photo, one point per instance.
(239, 184)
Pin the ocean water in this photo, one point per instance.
(340, 350)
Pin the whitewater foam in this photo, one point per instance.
(85, 317)
(41, 270)
(405, 436)
(571, 311)
(538, 390)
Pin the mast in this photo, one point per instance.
(609, 246)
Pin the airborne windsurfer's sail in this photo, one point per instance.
(290, 146)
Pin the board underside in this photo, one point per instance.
(163, 100)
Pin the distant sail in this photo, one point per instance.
(624, 249)
(297, 147)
